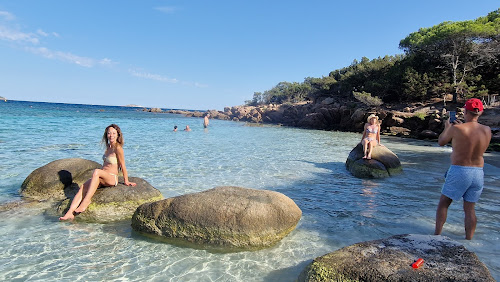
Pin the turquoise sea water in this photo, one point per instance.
(306, 165)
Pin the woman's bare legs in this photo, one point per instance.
(365, 147)
(76, 201)
(98, 177)
(82, 198)
(371, 144)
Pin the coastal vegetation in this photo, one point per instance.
(411, 93)
(367, 99)
(458, 58)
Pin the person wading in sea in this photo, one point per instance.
(205, 120)
(465, 177)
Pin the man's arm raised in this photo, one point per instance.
(447, 134)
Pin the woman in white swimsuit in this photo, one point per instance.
(371, 136)
(113, 159)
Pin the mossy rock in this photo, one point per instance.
(231, 217)
(391, 259)
(115, 203)
(384, 163)
(58, 180)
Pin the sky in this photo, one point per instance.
(195, 54)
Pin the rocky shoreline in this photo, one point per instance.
(421, 121)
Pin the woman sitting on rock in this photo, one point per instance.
(371, 136)
(113, 159)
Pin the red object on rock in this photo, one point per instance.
(418, 263)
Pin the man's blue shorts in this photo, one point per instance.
(463, 181)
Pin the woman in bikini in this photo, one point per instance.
(371, 136)
(113, 159)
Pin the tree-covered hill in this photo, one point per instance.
(459, 58)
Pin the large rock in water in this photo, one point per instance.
(222, 216)
(384, 163)
(390, 260)
(115, 203)
(58, 180)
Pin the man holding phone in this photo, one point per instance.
(465, 177)
(453, 116)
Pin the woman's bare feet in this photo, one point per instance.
(78, 211)
(68, 216)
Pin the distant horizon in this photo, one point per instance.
(101, 105)
(197, 54)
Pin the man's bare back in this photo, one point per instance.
(469, 141)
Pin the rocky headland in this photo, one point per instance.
(418, 120)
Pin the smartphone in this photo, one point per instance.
(453, 116)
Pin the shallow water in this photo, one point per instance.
(306, 165)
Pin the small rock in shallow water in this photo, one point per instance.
(384, 163)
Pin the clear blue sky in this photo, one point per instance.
(197, 54)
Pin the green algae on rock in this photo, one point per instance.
(390, 259)
(115, 203)
(384, 163)
(232, 217)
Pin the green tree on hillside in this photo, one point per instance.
(258, 99)
(461, 47)
(319, 87)
(367, 99)
(416, 85)
(462, 58)
(283, 92)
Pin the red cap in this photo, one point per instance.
(473, 104)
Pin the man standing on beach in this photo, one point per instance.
(465, 177)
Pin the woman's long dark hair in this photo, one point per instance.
(119, 139)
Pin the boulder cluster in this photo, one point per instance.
(233, 217)
(58, 182)
(415, 121)
(423, 122)
(244, 219)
